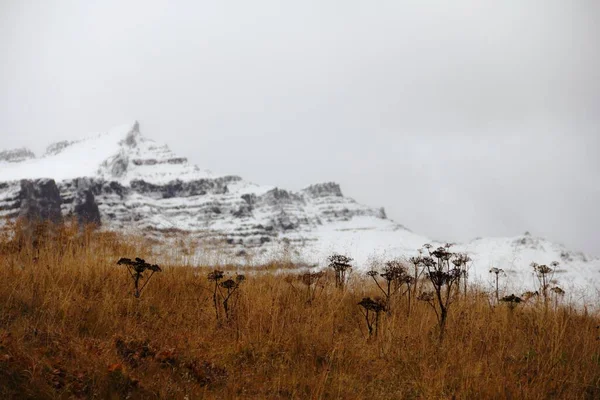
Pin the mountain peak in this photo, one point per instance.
(133, 135)
(121, 153)
(126, 134)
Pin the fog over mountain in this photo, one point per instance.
(462, 120)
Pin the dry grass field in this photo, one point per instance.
(70, 327)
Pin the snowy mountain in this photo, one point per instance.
(142, 186)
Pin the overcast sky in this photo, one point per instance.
(461, 118)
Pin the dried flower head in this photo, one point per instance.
(425, 296)
(557, 290)
(229, 284)
(372, 305)
(511, 299)
(393, 270)
(442, 254)
(529, 294)
(340, 265)
(416, 260)
(340, 262)
(461, 259)
(428, 262)
(216, 275)
(542, 269)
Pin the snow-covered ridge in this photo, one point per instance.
(121, 154)
(55, 148)
(142, 185)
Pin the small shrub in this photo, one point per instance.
(418, 270)
(137, 268)
(230, 287)
(558, 293)
(216, 276)
(544, 275)
(371, 307)
(341, 265)
(497, 272)
(444, 279)
(395, 277)
(512, 301)
(223, 290)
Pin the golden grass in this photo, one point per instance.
(71, 328)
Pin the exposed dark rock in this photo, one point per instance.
(179, 188)
(285, 222)
(243, 211)
(134, 133)
(324, 189)
(40, 201)
(7, 206)
(249, 198)
(86, 210)
(118, 165)
(98, 187)
(152, 161)
(279, 197)
(114, 187)
(177, 160)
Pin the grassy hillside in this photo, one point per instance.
(70, 327)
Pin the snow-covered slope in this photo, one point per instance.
(142, 185)
(515, 255)
(121, 154)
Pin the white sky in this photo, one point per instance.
(463, 119)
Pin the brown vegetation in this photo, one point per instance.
(71, 328)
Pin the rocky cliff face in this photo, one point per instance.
(39, 200)
(85, 208)
(131, 183)
(127, 181)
